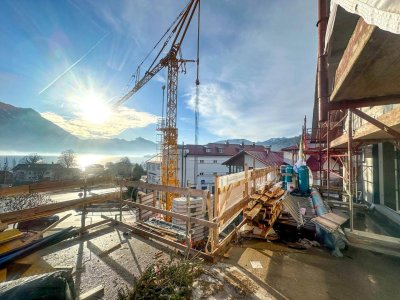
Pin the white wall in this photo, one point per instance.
(208, 167)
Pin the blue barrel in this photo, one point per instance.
(289, 174)
(303, 175)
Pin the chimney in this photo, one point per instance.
(254, 145)
(242, 143)
(227, 142)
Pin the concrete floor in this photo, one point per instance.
(284, 274)
(315, 274)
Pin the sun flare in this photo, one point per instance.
(94, 108)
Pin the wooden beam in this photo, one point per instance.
(371, 132)
(51, 209)
(376, 123)
(110, 250)
(165, 188)
(162, 239)
(92, 294)
(221, 246)
(102, 222)
(174, 214)
(40, 233)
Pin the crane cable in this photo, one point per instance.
(137, 75)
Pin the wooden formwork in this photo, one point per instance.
(232, 194)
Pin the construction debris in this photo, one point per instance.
(263, 210)
(171, 280)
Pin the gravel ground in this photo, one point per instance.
(114, 271)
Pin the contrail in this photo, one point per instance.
(74, 64)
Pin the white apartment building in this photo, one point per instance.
(210, 159)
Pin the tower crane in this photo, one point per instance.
(173, 61)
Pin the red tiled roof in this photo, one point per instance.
(227, 149)
(290, 148)
(268, 158)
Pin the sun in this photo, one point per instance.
(93, 108)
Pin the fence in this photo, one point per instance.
(232, 193)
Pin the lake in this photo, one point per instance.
(83, 160)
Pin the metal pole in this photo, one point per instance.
(328, 173)
(349, 171)
(83, 210)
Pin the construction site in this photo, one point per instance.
(323, 224)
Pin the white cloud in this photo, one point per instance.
(118, 121)
(265, 83)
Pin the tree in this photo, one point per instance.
(32, 159)
(138, 172)
(123, 167)
(67, 158)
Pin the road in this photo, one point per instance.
(61, 197)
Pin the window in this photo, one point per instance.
(202, 161)
(215, 161)
(203, 188)
(203, 181)
(201, 173)
(208, 150)
(220, 150)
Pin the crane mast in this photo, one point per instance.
(169, 149)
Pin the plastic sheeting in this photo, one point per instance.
(382, 13)
(55, 285)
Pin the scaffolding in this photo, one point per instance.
(337, 136)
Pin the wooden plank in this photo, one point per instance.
(233, 210)
(10, 235)
(51, 209)
(3, 275)
(94, 293)
(40, 233)
(222, 245)
(110, 250)
(164, 240)
(164, 188)
(253, 212)
(102, 222)
(174, 214)
(370, 65)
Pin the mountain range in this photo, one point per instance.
(25, 130)
(276, 143)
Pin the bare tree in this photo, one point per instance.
(67, 158)
(32, 159)
(24, 201)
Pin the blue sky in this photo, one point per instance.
(257, 65)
